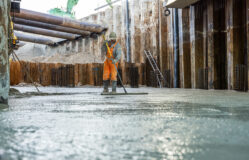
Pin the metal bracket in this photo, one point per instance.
(15, 6)
(166, 10)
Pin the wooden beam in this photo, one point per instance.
(205, 44)
(163, 39)
(235, 39)
(230, 48)
(216, 45)
(192, 46)
(181, 68)
(196, 47)
(247, 25)
(135, 33)
(170, 50)
(184, 48)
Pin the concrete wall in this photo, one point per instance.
(4, 58)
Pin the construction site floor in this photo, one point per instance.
(79, 123)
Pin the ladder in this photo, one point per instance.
(158, 74)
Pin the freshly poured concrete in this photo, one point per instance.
(166, 124)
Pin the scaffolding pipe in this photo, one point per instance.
(61, 21)
(106, 5)
(33, 39)
(176, 49)
(128, 38)
(50, 26)
(45, 32)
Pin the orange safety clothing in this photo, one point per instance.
(109, 68)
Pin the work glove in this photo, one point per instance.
(114, 61)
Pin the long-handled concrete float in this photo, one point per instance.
(126, 93)
(122, 94)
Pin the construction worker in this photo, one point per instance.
(113, 55)
(14, 38)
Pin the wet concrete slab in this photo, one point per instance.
(79, 123)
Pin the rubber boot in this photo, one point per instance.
(105, 84)
(114, 87)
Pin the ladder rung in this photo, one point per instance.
(155, 68)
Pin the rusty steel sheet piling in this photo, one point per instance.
(61, 21)
(67, 75)
(50, 26)
(45, 32)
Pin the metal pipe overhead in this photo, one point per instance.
(61, 21)
(45, 32)
(106, 5)
(50, 26)
(33, 39)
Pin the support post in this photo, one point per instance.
(247, 26)
(235, 39)
(128, 37)
(211, 50)
(217, 67)
(163, 39)
(170, 51)
(230, 47)
(4, 52)
(176, 49)
(196, 38)
(184, 48)
(204, 72)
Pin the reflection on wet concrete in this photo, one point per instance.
(166, 124)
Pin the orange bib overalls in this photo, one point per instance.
(109, 68)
